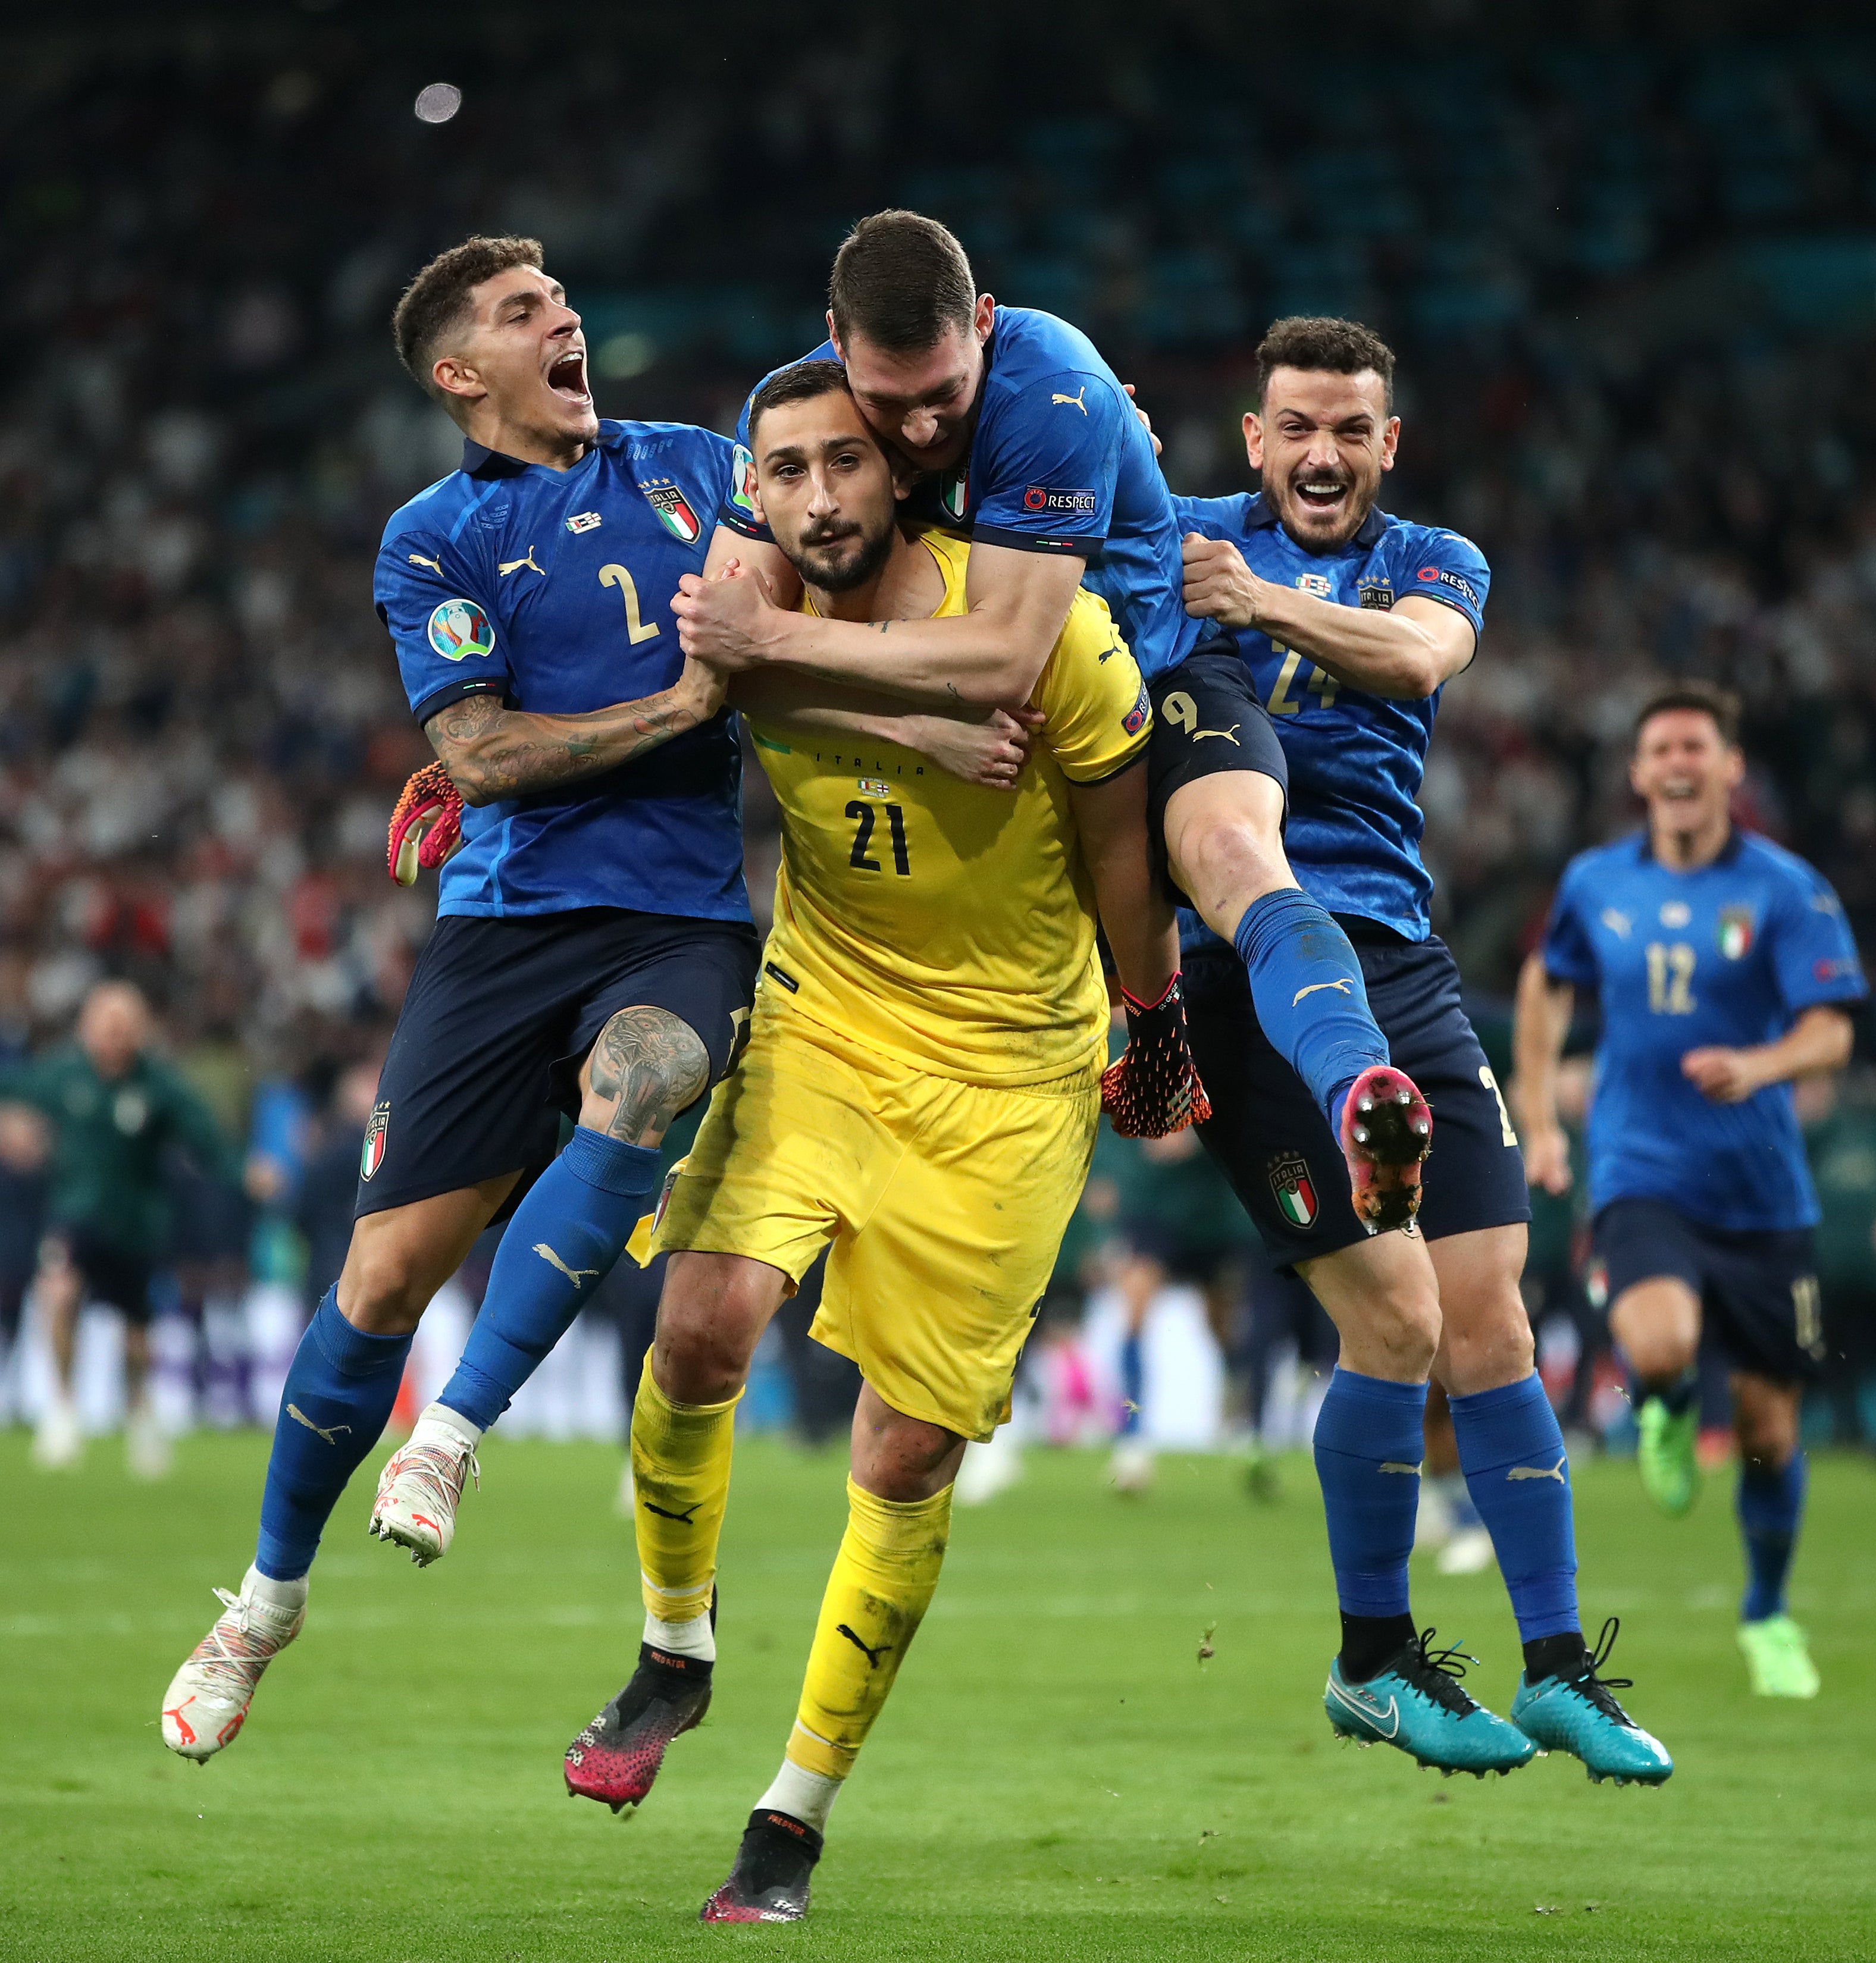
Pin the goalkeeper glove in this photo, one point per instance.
(1153, 1091)
(427, 826)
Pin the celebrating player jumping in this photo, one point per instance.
(1029, 447)
(1348, 622)
(1723, 967)
(920, 1091)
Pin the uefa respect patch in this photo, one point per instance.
(459, 628)
(1059, 504)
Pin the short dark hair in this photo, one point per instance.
(801, 382)
(1705, 698)
(1320, 342)
(900, 280)
(436, 302)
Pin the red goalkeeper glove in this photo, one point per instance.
(1153, 1091)
(426, 827)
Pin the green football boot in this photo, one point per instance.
(1670, 1473)
(1778, 1658)
(1576, 1712)
(1416, 1705)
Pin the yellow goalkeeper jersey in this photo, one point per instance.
(949, 925)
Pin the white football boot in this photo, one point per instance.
(146, 1447)
(58, 1443)
(206, 1702)
(421, 1485)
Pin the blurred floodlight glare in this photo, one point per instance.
(622, 356)
(439, 102)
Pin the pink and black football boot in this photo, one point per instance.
(1386, 1131)
(616, 1758)
(769, 1882)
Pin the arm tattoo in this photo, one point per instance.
(493, 753)
(650, 1065)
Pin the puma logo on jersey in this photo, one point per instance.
(516, 565)
(1344, 986)
(872, 1654)
(1074, 402)
(330, 1433)
(1398, 1465)
(1540, 1472)
(574, 1274)
(1230, 736)
(417, 558)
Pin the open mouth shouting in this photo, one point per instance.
(1322, 492)
(567, 378)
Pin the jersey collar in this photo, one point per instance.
(1735, 844)
(1261, 515)
(480, 461)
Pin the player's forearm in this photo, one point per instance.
(1819, 1042)
(1382, 653)
(1539, 1030)
(493, 753)
(975, 660)
(1143, 934)
(785, 699)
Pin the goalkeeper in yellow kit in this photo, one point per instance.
(920, 1089)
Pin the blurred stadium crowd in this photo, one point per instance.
(1632, 282)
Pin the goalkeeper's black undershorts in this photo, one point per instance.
(1206, 719)
(500, 1014)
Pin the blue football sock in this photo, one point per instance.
(1369, 1443)
(1518, 1473)
(1132, 1383)
(1310, 998)
(1771, 1504)
(333, 1410)
(560, 1245)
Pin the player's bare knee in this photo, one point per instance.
(1225, 860)
(647, 1066)
(385, 1285)
(1488, 1341)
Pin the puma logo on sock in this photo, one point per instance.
(574, 1274)
(1540, 1472)
(872, 1655)
(1343, 985)
(686, 1519)
(1398, 1465)
(330, 1433)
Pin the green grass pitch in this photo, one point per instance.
(1057, 1776)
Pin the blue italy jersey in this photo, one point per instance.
(552, 589)
(1058, 463)
(1730, 954)
(1355, 760)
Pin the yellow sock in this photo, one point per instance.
(876, 1596)
(681, 1477)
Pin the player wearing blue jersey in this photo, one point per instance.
(593, 956)
(1348, 622)
(1724, 970)
(1024, 441)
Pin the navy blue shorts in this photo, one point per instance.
(1276, 1148)
(1206, 719)
(1759, 1294)
(113, 1276)
(499, 1017)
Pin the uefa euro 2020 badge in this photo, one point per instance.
(459, 628)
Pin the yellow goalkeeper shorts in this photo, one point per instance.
(945, 1203)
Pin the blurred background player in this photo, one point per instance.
(593, 952)
(920, 1095)
(1348, 622)
(1724, 971)
(1023, 440)
(115, 1110)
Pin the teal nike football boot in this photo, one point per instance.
(1415, 1705)
(1576, 1712)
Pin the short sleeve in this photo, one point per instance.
(1045, 477)
(1812, 955)
(1091, 692)
(1443, 566)
(1568, 955)
(441, 623)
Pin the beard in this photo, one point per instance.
(1334, 524)
(812, 558)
